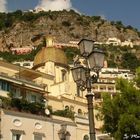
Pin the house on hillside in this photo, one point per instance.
(113, 41)
(23, 50)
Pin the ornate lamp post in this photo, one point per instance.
(63, 133)
(93, 60)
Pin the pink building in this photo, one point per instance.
(21, 50)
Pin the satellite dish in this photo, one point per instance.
(47, 112)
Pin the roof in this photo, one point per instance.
(29, 74)
(53, 54)
(24, 72)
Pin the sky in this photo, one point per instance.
(126, 11)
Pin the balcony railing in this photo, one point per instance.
(17, 78)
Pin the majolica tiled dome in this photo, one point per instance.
(53, 54)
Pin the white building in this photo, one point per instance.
(127, 43)
(116, 42)
(113, 41)
(26, 64)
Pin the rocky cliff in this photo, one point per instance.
(63, 25)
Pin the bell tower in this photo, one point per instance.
(49, 41)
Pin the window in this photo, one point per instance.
(86, 137)
(37, 137)
(33, 98)
(80, 112)
(95, 87)
(16, 136)
(64, 78)
(26, 64)
(102, 88)
(66, 107)
(110, 88)
(16, 92)
(4, 85)
(72, 108)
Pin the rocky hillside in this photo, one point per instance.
(17, 29)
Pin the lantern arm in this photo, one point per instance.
(95, 77)
(82, 86)
(76, 60)
(80, 61)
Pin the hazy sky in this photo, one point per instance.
(126, 11)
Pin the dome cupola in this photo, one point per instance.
(50, 53)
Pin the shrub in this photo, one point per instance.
(66, 23)
(65, 113)
(23, 105)
(5, 102)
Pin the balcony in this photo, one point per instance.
(21, 80)
(22, 105)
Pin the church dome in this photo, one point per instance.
(53, 54)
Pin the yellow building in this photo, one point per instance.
(49, 83)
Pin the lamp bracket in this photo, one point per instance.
(76, 60)
(80, 61)
(82, 88)
(95, 77)
(81, 85)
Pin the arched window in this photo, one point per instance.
(80, 112)
(66, 107)
(64, 76)
(86, 137)
(72, 108)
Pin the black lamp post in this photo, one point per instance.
(94, 60)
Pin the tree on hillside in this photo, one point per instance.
(121, 115)
(137, 79)
(130, 61)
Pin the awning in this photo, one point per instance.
(28, 74)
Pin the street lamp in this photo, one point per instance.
(63, 133)
(93, 60)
